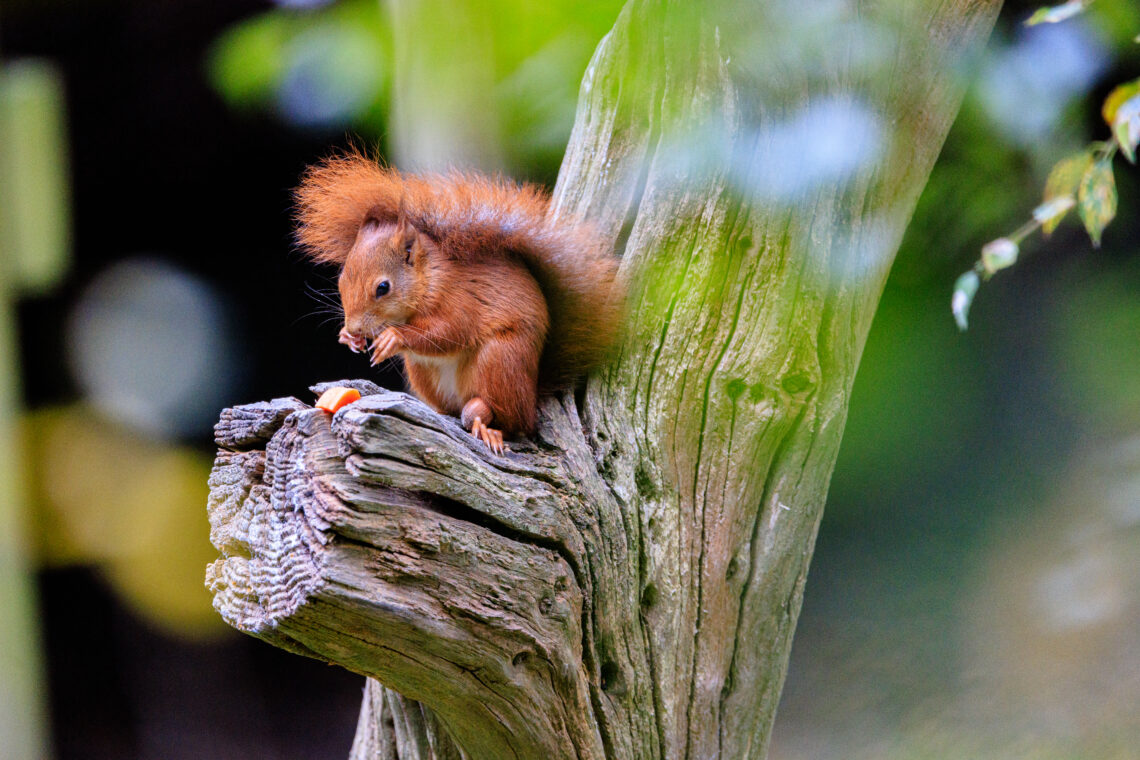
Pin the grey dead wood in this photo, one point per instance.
(626, 585)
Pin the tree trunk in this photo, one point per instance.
(627, 584)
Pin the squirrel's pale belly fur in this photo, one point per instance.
(444, 373)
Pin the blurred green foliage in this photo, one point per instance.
(35, 222)
(342, 54)
(1117, 20)
(338, 50)
(1097, 339)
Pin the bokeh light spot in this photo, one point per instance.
(149, 345)
(1026, 85)
(334, 73)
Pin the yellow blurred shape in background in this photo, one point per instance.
(133, 507)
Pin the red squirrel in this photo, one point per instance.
(468, 278)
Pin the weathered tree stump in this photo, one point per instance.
(388, 540)
(625, 585)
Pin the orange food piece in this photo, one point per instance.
(336, 397)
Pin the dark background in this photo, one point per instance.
(159, 161)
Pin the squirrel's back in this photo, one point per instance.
(472, 216)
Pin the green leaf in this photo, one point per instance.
(964, 290)
(1055, 13)
(1120, 95)
(1126, 127)
(1096, 199)
(998, 254)
(1064, 179)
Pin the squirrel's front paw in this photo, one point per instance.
(386, 346)
(354, 342)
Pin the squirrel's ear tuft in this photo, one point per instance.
(335, 197)
(409, 228)
(404, 230)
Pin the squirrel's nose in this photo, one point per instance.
(354, 325)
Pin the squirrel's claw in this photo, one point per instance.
(493, 438)
(355, 343)
(386, 346)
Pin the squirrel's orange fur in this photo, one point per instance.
(468, 278)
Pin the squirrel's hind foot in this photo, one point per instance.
(474, 412)
(493, 438)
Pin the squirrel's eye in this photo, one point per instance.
(408, 246)
(383, 288)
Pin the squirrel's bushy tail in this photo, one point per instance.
(473, 216)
